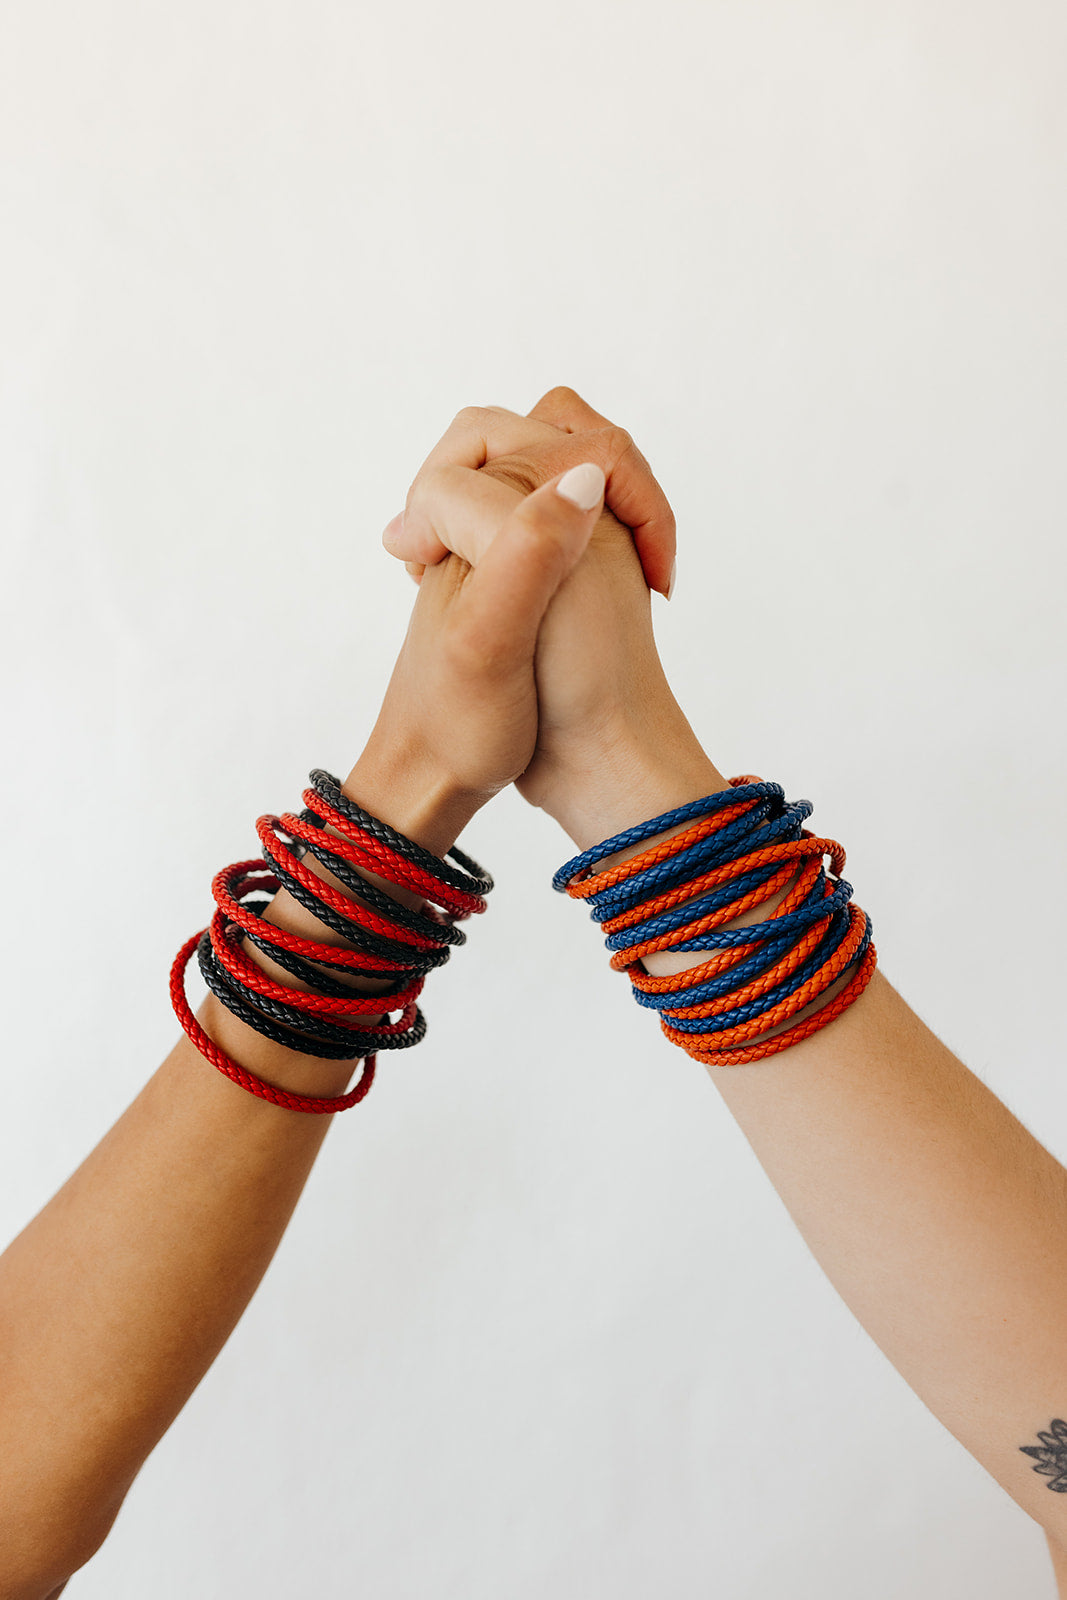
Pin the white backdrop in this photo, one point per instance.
(541, 1326)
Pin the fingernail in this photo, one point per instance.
(583, 486)
(670, 580)
(393, 531)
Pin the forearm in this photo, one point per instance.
(940, 1220)
(117, 1297)
(937, 1216)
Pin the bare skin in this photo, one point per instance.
(117, 1297)
(940, 1220)
(899, 1167)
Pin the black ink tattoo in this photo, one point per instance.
(1051, 1458)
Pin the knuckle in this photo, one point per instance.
(429, 484)
(417, 490)
(468, 417)
(561, 395)
(422, 485)
(617, 443)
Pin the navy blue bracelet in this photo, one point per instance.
(725, 938)
(717, 850)
(579, 865)
(841, 942)
(766, 1002)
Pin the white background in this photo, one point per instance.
(541, 1326)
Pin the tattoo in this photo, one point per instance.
(1051, 1458)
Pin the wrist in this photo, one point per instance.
(409, 794)
(630, 782)
(402, 785)
(400, 789)
(622, 780)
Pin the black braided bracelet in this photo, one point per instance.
(364, 939)
(448, 894)
(318, 980)
(395, 910)
(472, 880)
(245, 1004)
(314, 1023)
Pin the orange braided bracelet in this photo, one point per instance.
(741, 847)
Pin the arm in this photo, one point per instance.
(939, 1219)
(117, 1297)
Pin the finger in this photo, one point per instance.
(461, 508)
(476, 435)
(564, 408)
(633, 494)
(505, 597)
(415, 570)
(464, 509)
(479, 434)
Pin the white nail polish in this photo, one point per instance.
(583, 486)
(670, 580)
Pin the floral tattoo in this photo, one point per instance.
(1051, 1457)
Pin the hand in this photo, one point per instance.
(481, 434)
(459, 718)
(611, 736)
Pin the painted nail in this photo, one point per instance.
(583, 486)
(670, 580)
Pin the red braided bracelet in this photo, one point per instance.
(396, 868)
(224, 891)
(226, 942)
(241, 1075)
(280, 1010)
(328, 896)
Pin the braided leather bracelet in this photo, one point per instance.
(391, 941)
(739, 848)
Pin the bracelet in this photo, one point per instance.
(264, 1013)
(576, 868)
(368, 852)
(738, 848)
(472, 878)
(716, 842)
(392, 941)
(220, 964)
(339, 912)
(311, 831)
(231, 881)
(240, 1075)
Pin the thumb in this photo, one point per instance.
(508, 592)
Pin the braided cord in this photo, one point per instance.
(736, 849)
(240, 1075)
(392, 943)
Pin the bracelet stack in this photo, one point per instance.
(737, 849)
(392, 943)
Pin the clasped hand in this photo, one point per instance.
(530, 657)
